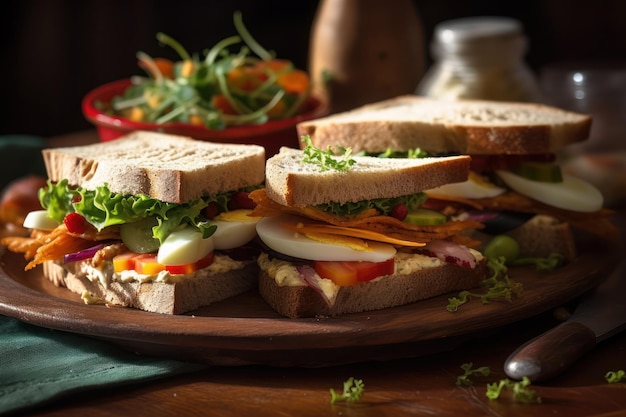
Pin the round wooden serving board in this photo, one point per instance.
(244, 330)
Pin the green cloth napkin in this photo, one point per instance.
(38, 365)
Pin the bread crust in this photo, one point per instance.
(291, 182)
(169, 168)
(474, 127)
(159, 297)
(390, 291)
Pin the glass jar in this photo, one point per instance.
(479, 58)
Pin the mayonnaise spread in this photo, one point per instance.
(286, 274)
(104, 273)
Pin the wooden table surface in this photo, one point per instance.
(418, 386)
(414, 386)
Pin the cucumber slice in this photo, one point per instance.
(138, 237)
(539, 171)
(425, 217)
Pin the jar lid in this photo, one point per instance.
(473, 28)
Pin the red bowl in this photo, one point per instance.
(271, 135)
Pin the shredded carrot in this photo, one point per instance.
(348, 231)
(465, 201)
(49, 246)
(61, 244)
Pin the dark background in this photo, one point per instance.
(55, 51)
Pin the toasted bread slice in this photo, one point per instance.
(474, 127)
(292, 182)
(169, 168)
(179, 297)
(296, 301)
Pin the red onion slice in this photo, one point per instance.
(308, 275)
(83, 254)
(451, 253)
(479, 215)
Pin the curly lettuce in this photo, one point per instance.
(103, 208)
(383, 205)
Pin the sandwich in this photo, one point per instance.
(515, 185)
(342, 234)
(150, 221)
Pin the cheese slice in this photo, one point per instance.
(318, 228)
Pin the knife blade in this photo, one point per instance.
(599, 315)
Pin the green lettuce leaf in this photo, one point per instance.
(383, 205)
(103, 208)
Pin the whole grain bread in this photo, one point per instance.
(169, 168)
(159, 297)
(390, 291)
(292, 182)
(468, 127)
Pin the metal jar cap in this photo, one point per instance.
(475, 28)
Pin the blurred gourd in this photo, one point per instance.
(362, 51)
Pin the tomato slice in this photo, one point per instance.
(338, 272)
(147, 264)
(124, 261)
(367, 271)
(345, 273)
(190, 268)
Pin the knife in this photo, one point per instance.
(600, 315)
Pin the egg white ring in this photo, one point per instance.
(183, 247)
(570, 194)
(39, 219)
(232, 234)
(288, 242)
(468, 189)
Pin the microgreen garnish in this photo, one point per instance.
(464, 380)
(224, 88)
(613, 377)
(521, 392)
(409, 154)
(499, 285)
(352, 391)
(541, 264)
(326, 158)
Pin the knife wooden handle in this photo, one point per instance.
(550, 353)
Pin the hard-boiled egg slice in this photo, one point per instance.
(474, 187)
(272, 232)
(571, 194)
(39, 219)
(234, 229)
(183, 247)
